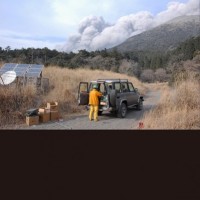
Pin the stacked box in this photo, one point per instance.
(44, 114)
(44, 117)
(32, 120)
(53, 106)
(54, 115)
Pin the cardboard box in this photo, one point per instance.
(53, 106)
(44, 117)
(43, 110)
(32, 120)
(54, 115)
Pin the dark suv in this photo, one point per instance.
(118, 95)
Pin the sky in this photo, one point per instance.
(71, 25)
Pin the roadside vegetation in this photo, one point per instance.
(14, 103)
(179, 106)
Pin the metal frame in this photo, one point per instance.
(112, 80)
(23, 71)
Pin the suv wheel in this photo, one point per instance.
(140, 105)
(122, 111)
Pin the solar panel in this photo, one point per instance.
(7, 67)
(25, 70)
(35, 70)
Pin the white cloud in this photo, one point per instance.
(175, 9)
(71, 12)
(94, 33)
(18, 40)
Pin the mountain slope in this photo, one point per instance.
(164, 37)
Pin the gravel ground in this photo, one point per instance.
(106, 120)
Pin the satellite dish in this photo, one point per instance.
(7, 77)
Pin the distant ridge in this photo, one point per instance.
(164, 37)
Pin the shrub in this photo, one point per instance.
(179, 107)
(14, 103)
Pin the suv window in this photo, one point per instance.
(83, 88)
(125, 87)
(102, 88)
(109, 86)
(131, 88)
(117, 86)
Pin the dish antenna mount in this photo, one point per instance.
(7, 77)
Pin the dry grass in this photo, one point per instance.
(14, 103)
(64, 85)
(179, 108)
(157, 86)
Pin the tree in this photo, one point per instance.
(83, 53)
(160, 75)
(189, 50)
(104, 53)
(114, 53)
(146, 62)
(148, 76)
(125, 67)
(8, 48)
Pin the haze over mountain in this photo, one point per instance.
(164, 37)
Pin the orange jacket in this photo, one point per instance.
(94, 97)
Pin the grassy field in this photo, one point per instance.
(14, 104)
(179, 107)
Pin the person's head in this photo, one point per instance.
(95, 86)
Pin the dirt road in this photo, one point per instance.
(106, 120)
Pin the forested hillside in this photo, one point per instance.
(146, 65)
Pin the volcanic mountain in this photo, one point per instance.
(164, 37)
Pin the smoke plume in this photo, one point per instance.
(96, 34)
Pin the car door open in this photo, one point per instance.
(83, 93)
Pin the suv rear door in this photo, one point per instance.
(127, 94)
(83, 93)
(134, 96)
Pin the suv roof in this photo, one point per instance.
(111, 80)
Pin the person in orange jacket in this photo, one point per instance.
(94, 102)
